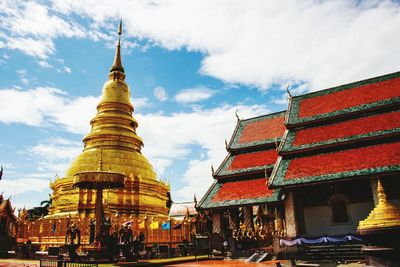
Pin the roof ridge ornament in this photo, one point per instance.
(287, 90)
(117, 64)
(236, 114)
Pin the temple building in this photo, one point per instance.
(321, 178)
(239, 201)
(338, 142)
(113, 141)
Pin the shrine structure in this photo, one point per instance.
(321, 178)
(338, 142)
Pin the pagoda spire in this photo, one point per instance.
(117, 64)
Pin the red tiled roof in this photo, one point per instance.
(247, 189)
(348, 98)
(259, 131)
(268, 128)
(359, 126)
(376, 156)
(250, 160)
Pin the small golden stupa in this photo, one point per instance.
(384, 215)
(113, 135)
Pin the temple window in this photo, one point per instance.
(339, 208)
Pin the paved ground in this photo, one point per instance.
(235, 263)
(221, 263)
(174, 262)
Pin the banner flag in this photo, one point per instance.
(166, 226)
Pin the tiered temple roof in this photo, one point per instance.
(240, 179)
(343, 132)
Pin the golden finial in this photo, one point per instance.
(384, 215)
(117, 65)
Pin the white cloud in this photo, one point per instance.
(140, 102)
(45, 106)
(260, 43)
(29, 27)
(44, 64)
(55, 155)
(20, 186)
(193, 95)
(22, 74)
(160, 93)
(67, 69)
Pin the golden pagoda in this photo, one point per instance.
(113, 135)
(384, 215)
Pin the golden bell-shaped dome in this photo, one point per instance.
(113, 134)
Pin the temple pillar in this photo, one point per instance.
(216, 222)
(290, 215)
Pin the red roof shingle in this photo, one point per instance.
(268, 128)
(250, 160)
(349, 98)
(355, 159)
(259, 131)
(347, 128)
(238, 190)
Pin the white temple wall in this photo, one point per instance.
(318, 220)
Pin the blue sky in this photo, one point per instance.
(190, 65)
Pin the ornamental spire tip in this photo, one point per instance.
(117, 64)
